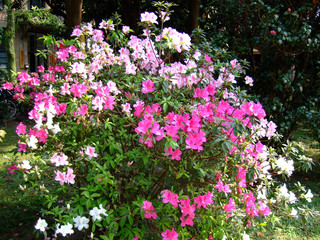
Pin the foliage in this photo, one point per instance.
(41, 17)
(148, 137)
(286, 72)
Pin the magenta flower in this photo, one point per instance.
(176, 155)
(170, 197)
(149, 210)
(170, 235)
(204, 200)
(273, 32)
(11, 169)
(147, 86)
(230, 206)
(187, 211)
(90, 152)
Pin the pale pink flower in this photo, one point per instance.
(125, 29)
(249, 80)
(60, 176)
(90, 151)
(149, 17)
(69, 178)
(59, 160)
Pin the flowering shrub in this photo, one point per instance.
(143, 138)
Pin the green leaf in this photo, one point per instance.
(123, 221)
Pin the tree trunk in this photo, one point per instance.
(9, 35)
(194, 8)
(131, 13)
(74, 14)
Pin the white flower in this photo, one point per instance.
(285, 166)
(41, 225)
(294, 212)
(65, 229)
(56, 128)
(95, 213)
(25, 165)
(292, 197)
(81, 222)
(283, 191)
(262, 194)
(32, 142)
(309, 195)
(246, 236)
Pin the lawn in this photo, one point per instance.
(20, 212)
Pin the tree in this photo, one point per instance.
(9, 35)
(286, 35)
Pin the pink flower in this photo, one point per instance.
(147, 86)
(69, 178)
(187, 211)
(60, 176)
(90, 152)
(264, 210)
(78, 89)
(65, 177)
(7, 86)
(273, 32)
(170, 235)
(195, 140)
(21, 129)
(170, 197)
(230, 206)
(226, 189)
(149, 210)
(219, 186)
(82, 110)
(204, 200)
(176, 155)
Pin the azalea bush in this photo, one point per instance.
(148, 137)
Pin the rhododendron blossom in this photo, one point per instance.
(149, 210)
(170, 235)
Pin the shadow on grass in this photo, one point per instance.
(18, 213)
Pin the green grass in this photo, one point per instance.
(18, 215)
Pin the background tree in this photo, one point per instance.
(9, 35)
(286, 70)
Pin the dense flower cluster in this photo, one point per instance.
(123, 125)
